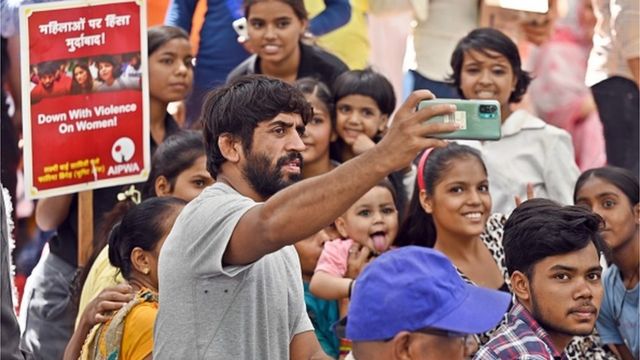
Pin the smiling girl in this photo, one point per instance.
(318, 132)
(486, 65)
(451, 212)
(275, 30)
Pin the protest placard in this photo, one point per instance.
(85, 95)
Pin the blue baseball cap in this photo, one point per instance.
(414, 288)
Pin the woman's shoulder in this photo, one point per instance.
(492, 235)
(142, 311)
(495, 223)
(319, 54)
(137, 335)
(143, 314)
(317, 61)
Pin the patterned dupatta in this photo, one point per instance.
(104, 341)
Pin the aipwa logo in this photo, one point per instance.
(122, 151)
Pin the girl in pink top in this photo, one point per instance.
(367, 229)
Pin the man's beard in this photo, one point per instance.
(551, 326)
(265, 179)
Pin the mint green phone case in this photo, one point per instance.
(480, 119)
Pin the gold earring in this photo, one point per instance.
(146, 271)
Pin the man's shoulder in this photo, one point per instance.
(516, 340)
(218, 198)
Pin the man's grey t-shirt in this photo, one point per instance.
(208, 311)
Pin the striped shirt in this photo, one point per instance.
(520, 338)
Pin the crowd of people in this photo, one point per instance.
(310, 211)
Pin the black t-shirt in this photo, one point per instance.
(314, 62)
(65, 243)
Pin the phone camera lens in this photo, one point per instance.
(488, 109)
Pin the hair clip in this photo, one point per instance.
(132, 194)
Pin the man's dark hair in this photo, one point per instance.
(47, 68)
(238, 107)
(540, 228)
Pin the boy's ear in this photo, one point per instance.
(636, 213)
(340, 226)
(521, 287)
(425, 202)
(230, 147)
(402, 345)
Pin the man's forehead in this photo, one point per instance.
(286, 118)
(579, 260)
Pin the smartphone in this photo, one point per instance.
(535, 6)
(240, 26)
(478, 119)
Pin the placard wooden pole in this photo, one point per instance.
(85, 226)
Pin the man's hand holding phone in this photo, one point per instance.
(476, 119)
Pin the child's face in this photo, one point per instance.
(358, 114)
(487, 77)
(318, 132)
(461, 202)
(372, 221)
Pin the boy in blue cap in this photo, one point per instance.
(410, 303)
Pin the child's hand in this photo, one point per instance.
(362, 144)
(358, 260)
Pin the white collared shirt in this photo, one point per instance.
(530, 151)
